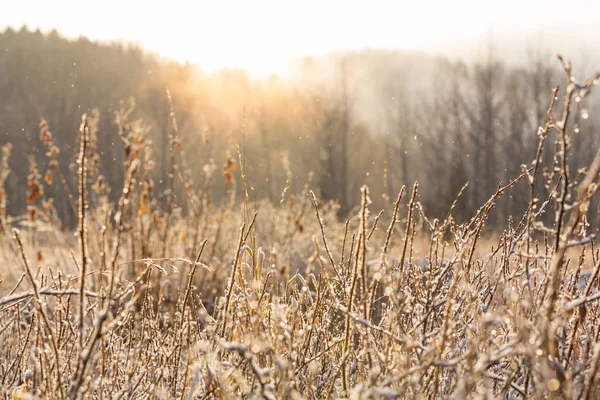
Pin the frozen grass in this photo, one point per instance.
(154, 299)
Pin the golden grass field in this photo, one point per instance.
(245, 299)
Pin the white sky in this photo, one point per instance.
(262, 35)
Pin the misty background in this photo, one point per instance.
(459, 106)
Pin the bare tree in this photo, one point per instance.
(485, 120)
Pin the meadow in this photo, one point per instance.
(181, 296)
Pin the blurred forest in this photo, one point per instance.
(382, 118)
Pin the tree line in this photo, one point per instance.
(382, 118)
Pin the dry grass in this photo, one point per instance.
(154, 299)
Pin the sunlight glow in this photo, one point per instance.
(263, 35)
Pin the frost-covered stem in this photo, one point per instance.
(119, 217)
(348, 314)
(341, 264)
(390, 230)
(82, 227)
(232, 280)
(363, 266)
(44, 292)
(564, 189)
(314, 320)
(543, 133)
(188, 290)
(408, 224)
(329, 256)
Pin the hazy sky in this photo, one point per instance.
(262, 35)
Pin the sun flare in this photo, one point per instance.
(262, 36)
